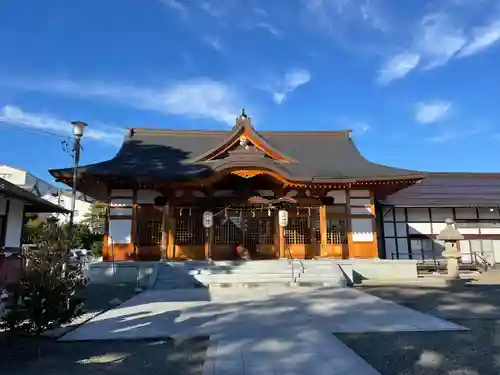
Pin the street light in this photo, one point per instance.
(78, 130)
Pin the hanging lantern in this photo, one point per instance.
(283, 218)
(208, 219)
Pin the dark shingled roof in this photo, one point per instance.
(450, 190)
(149, 155)
(32, 202)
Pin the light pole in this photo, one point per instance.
(78, 130)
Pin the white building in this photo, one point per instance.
(51, 193)
(14, 203)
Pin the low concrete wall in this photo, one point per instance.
(357, 270)
(137, 273)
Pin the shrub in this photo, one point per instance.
(45, 295)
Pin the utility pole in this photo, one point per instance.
(78, 130)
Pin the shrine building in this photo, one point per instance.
(161, 182)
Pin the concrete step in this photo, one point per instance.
(173, 275)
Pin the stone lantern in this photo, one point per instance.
(450, 235)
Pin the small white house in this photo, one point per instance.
(51, 193)
(14, 203)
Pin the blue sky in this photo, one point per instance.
(418, 81)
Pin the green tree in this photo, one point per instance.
(95, 218)
(45, 295)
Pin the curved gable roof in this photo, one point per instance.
(152, 155)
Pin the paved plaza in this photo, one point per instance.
(263, 331)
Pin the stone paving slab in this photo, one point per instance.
(313, 352)
(262, 331)
(226, 314)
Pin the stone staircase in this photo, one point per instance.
(192, 274)
(491, 276)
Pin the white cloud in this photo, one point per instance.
(214, 42)
(430, 112)
(483, 38)
(398, 67)
(16, 116)
(443, 138)
(439, 39)
(292, 80)
(269, 28)
(176, 5)
(195, 98)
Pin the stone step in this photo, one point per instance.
(252, 284)
(239, 279)
(248, 272)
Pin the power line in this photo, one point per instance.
(36, 130)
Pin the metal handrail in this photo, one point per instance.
(291, 261)
(483, 260)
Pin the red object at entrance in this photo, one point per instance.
(243, 252)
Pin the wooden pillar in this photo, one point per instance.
(164, 232)
(375, 253)
(322, 229)
(133, 234)
(346, 252)
(171, 224)
(282, 241)
(209, 233)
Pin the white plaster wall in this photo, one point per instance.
(418, 222)
(359, 193)
(13, 175)
(81, 207)
(120, 231)
(418, 214)
(122, 193)
(147, 196)
(14, 223)
(339, 196)
(362, 230)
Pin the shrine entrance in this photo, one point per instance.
(252, 229)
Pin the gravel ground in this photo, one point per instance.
(110, 357)
(474, 352)
(97, 296)
(47, 356)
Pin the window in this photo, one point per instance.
(6, 176)
(228, 230)
(189, 231)
(149, 233)
(259, 231)
(335, 232)
(298, 231)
